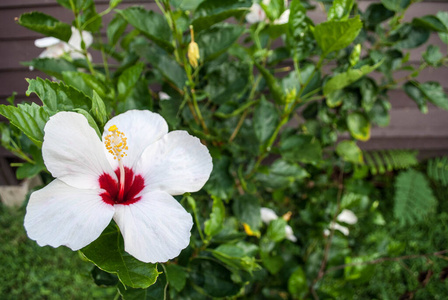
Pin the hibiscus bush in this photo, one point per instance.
(209, 149)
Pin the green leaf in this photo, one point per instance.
(265, 120)
(99, 109)
(355, 55)
(211, 12)
(298, 22)
(214, 41)
(235, 257)
(186, 4)
(434, 93)
(409, 36)
(339, 81)
(349, 152)
(443, 17)
(359, 126)
(58, 96)
(361, 273)
(301, 148)
(215, 223)
(336, 35)
(431, 23)
(29, 170)
(102, 278)
(114, 3)
(396, 5)
(115, 29)
(90, 120)
(212, 278)
(128, 79)
(376, 14)
(276, 230)
(433, 56)
(51, 66)
(221, 183)
(282, 174)
(151, 24)
(438, 170)
(340, 10)
(165, 63)
(273, 9)
(412, 90)
(78, 5)
(28, 118)
(46, 25)
(86, 83)
(273, 85)
(379, 114)
(156, 291)
(272, 263)
(297, 284)
(369, 93)
(176, 275)
(414, 199)
(227, 81)
(107, 252)
(247, 209)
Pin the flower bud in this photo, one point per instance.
(193, 50)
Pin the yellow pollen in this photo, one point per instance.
(116, 142)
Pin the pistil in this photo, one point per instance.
(116, 144)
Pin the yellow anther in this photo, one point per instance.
(116, 142)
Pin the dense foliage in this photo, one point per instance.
(269, 98)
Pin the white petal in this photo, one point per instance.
(347, 216)
(164, 96)
(54, 51)
(176, 164)
(284, 18)
(290, 234)
(142, 128)
(256, 14)
(60, 214)
(155, 229)
(46, 42)
(267, 215)
(73, 152)
(341, 228)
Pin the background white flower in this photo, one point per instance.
(345, 216)
(135, 188)
(257, 14)
(268, 215)
(56, 48)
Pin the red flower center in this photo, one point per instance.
(133, 185)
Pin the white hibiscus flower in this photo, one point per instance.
(268, 215)
(56, 48)
(129, 176)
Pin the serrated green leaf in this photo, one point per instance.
(51, 66)
(340, 10)
(336, 35)
(396, 5)
(46, 25)
(28, 118)
(29, 170)
(210, 12)
(276, 230)
(434, 93)
(359, 126)
(86, 83)
(157, 291)
(215, 223)
(58, 96)
(433, 56)
(273, 85)
(339, 81)
(115, 29)
(297, 284)
(282, 174)
(247, 209)
(99, 109)
(176, 275)
(152, 25)
(431, 23)
(301, 148)
(128, 79)
(107, 252)
(265, 120)
(214, 41)
(235, 257)
(412, 90)
(349, 152)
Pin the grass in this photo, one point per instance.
(28, 271)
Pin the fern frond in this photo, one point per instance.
(414, 198)
(438, 170)
(388, 160)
